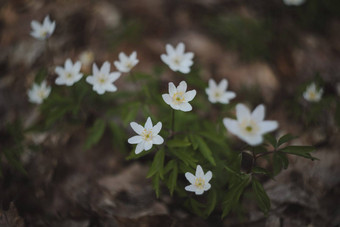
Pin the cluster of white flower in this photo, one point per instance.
(249, 127)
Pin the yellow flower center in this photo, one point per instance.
(312, 95)
(177, 60)
(178, 97)
(217, 94)
(102, 79)
(147, 135)
(249, 126)
(41, 94)
(129, 65)
(199, 183)
(68, 75)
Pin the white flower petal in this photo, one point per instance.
(135, 140)
(167, 99)
(199, 191)
(169, 49)
(258, 113)
(190, 95)
(185, 107)
(139, 147)
(268, 126)
(251, 140)
(184, 70)
(190, 188)
(212, 84)
(157, 140)
(208, 176)
(157, 128)
(231, 125)
(242, 112)
(95, 69)
(137, 127)
(199, 172)
(172, 89)
(223, 85)
(148, 124)
(190, 177)
(105, 69)
(206, 187)
(182, 87)
(180, 48)
(89, 79)
(147, 145)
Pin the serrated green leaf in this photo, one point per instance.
(156, 184)
(271, 139)
(95, 133)
(193, 142)
(213, 138)
(298, 149)
(185, 156)
(174, 143)
(261, 196)
(169, 166)
(303, 151)
(173, 179)
(259, 170)
(286, 138)
(233, 195)
(205, 150)
(280, 161)
(157, 164)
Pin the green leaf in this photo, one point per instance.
(157, 164)
(193, 142)
(303, 151)
(185, 156)
(259, 170)
(169, 166)
(155, 184)
(261, 196)
(213, 138)
(286, 138)
(205, 150)
(233, 195)
(197, 207)
(95, 133)
(178, 143)
(212, 200)
(271, 139)
(173, 179)
(280, 161)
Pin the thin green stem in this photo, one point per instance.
(173, 122)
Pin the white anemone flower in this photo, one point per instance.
(178, 98)
(147, 135)
(218, 93)
(250, 127)
(312, 94)
(176, 59)
(294, 2)
(199, 182)
(38, 93)
(42, 31)
(126, 63)
(70, 74)
(102, 80)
